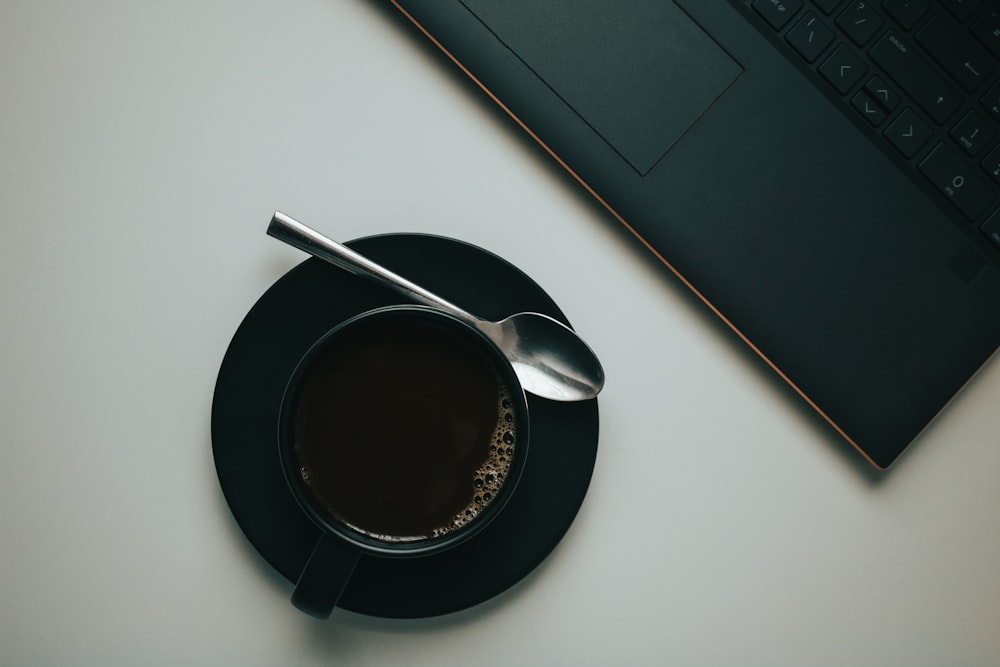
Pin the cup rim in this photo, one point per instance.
(329, 524)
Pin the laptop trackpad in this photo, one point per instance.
(640, 72)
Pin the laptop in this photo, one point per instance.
(823, 174)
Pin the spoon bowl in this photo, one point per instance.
(545, 358)
(549, 358)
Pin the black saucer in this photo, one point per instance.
(285, 321)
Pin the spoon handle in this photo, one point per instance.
(298, 235)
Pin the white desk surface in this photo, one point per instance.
(143, 147)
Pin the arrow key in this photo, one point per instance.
(866, 107)
(908, 133)
(843, 69)
(880, 91)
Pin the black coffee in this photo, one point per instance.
(404, 431)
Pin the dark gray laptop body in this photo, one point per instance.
(857, 280)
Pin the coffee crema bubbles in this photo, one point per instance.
(490, 476)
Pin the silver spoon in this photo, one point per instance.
(550, 360)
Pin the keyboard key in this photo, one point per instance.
(777, 12)
(991, 101)
(909, 69)
(827, 5)
(843, 69)
(957, 181)
(962, 9)
(973, 133)
(882, 93)
(908, 133)
(992, 165)
(810, 37)
(987, 30)
(859, 21)
(959, 55)
(906, 12)
(868, 108)
(992, 228)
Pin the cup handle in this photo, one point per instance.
(324, 577)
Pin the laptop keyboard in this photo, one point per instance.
(923, 74)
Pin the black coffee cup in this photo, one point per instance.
(403, 432)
